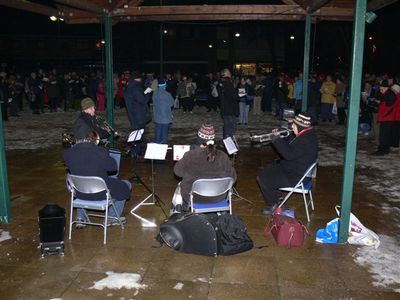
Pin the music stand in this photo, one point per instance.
(153, 152)
(232, 148)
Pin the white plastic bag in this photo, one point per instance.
(359, 234)
(334, 109)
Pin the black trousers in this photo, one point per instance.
(270, 180)
(386, 130)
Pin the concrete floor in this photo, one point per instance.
(311, 272)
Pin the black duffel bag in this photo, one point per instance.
(205, 234)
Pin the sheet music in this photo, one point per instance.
(179, 150)
(156, 151)
(135, 135)
(230, 145)
(147, 91)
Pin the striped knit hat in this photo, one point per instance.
(303, 120)
(206, 134)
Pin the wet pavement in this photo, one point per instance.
(315, 271)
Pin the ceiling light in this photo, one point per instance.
(53, 18)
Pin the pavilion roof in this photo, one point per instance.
(92, 11)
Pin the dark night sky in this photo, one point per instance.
(333, 38)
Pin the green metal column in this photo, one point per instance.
(306, 64)
(352, 122)
(109, 72)
(161, 51)
(5, 205)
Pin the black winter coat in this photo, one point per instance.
(136, 105)
(229, 98)
(86, 123)
(297, 155)
(87, 159)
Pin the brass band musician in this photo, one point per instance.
(296, 155)
(87, 121)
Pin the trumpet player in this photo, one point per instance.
(295, 156)
(87, 121)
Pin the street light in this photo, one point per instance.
(165, 31)
(237, 34)
(210, 46)
(53, 18)
(292, 37)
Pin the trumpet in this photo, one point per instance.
(261, 138)
(107, 127)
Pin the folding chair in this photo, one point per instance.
(211, 195)
(90, 185)
(304, 187)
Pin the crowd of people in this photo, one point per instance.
(237, 97)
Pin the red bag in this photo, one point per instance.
(287, 231)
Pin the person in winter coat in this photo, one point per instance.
(396, 130)
(88, 122)
(136, 102)
(85, 158)
(162, 112)
(243, 89)
(327, 99)
(386, 118)
(340, 101)
(229, 103)
(203, 161)
(296, 156)
(281, 92)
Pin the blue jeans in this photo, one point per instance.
(244, 113)
(119, 207)
(229, 128)
(161, 133)
(279, 110)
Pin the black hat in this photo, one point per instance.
(136, 75)
(384, 83)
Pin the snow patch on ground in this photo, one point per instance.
(178, 286)
(116, 281)
(382, 263)
(4, 235)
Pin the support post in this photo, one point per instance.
(5, 204)
(306, 64)
(161, 51)
(109, 72)
(352, 119)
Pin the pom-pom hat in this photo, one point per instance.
(206, 134)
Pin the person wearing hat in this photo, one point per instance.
(386, 118)
(202, 161)
(296, 156)
(87, 121)
(396, 131)
(162, 113)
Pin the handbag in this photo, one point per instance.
(287, 231)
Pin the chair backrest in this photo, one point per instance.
(116, 155)
(87, 184)
(212, 187)
(308, 174)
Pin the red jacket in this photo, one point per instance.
(386, 110)
(397, 108)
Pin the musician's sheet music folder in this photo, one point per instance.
(179, 150)
(231, 145)
(135, 135)
(156, 151)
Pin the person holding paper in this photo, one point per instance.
(136, 106)
(296, 155)
(202, 161)
(136, 102)
(229, 103)
(162, 113)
